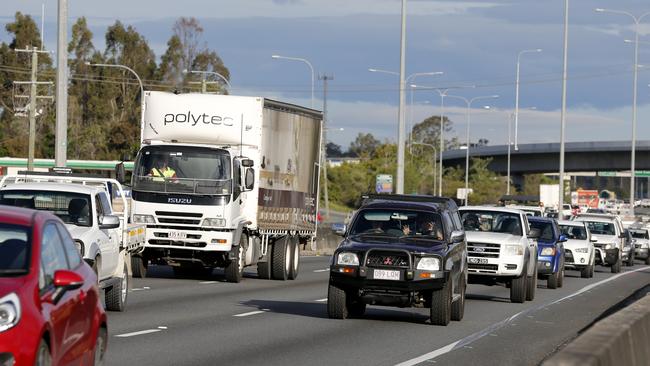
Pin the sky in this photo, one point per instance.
(471, 42)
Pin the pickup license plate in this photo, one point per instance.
(477, 260)
(177, 235)
(380, 274)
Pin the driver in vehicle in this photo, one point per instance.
(430, 228)
(471, 223)
(163, 171)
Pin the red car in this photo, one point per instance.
(50, 307)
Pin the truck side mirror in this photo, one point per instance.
(120, 172)
(249, 179)
(247, 163)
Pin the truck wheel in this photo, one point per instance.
(616, 267)
(264, 269)
(440, 311)
(552, 281)
(116, 295)
(281, 263)
(295, 259)
(138, 267)
(336, 303)
(235, 268)
(531, 286)
(585, 271)
(518, 289)
(560, 277)
(458, 306)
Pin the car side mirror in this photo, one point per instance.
(534, 233)
(562, 238)
(249, 179)
(457, 236)
(65, 281)
(109, 222)
(339, 228)
(593, 239)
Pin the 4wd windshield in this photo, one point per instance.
(601, 228)
(397, 223)
(639, 234)
(71, 208)
(183, 169)
(574, 232)
(545, 230)
(14, 249)
(492, 221)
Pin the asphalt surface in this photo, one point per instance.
(205, 321)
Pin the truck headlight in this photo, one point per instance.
(548, 251)
(511, 249)
(429, 264)
(581, 250)
(214, 222)
(9, 311)
(143, 219)
(347, 259)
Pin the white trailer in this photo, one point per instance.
(226, 181)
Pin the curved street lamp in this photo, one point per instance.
(278, 57)
(517, 94)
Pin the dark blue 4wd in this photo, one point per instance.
(550, 251)
(403, 251)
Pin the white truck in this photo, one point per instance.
(501, 248)
(102, 235)
(226, 181)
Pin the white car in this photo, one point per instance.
(641, 235)
(529, 210)
(579, 251)
(607, 233)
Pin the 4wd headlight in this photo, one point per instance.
(609, 246)
(548, 251)
(429, 264)
(347, 259)
(581, 250)
(511, 249)
(214, 222)
(143, 219)
(9, 311)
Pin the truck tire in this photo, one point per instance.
(295, 259)
(591, 270)
(138, 267)
(264, 269)
(560, 276)
(337, 306)
(458, 306)
(235, 268)
(116, 295)
(531, 286)
(518, 289)
(281, 262)
(440, 310)
(585, 271)
(616, 267)
(552, 281)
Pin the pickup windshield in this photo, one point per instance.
(377, 223)
(574, 232)
(71, 208)
(545, 230)
(601, 228)
(183, 169)
(639, 234)
(492, 221)
(14, 249)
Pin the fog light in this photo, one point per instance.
(511, 266)
(548, 264)
(582, 260)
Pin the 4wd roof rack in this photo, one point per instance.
(449, 202)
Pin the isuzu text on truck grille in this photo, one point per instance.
(194, 119)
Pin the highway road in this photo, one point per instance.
(206, 321)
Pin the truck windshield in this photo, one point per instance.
(183, 169)
(574, 232)
(397, 223)
(601, 228)
(492, 221)
(71, 208)
(14, 249)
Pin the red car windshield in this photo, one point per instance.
(14, 249)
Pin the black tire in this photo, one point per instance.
(281, 262)
(552, 281)
(117, 294)
(616, 267)
(337, 307)
(591, 270)
(264, 269)
(100, 347)
(518, 289)
(531, 286)
(585, 271)
(43, 357)
(630, 258)
(560, 276)
(458, 306)
(647, 260)
(138, 267)
(440, 310)
(295, 259)
(234, 270)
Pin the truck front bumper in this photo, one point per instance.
(504, 266)
(189, 239)
(606, 256)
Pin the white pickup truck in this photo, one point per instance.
(607, 234)
(103, 236)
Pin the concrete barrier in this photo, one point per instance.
(622, 339)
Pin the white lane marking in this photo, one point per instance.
(321, 270)
(480, 334)
(162, 327)
(132, 334)
(141, 288)
(252, 313)
(208, 282)
(321, 300)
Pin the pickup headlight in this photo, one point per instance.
(511, 249)
(214, 222)
(143, 219)
(581, 250)
(609, 246)
(429, 264)
(9, 311)
(548, 251)
(347, 259)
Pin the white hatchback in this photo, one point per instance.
(579, 248)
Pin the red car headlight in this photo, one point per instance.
(9, 311)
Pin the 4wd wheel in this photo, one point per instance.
(43, 357)
(552, 281)
(440, 311)
(138, 267)
(281, 263)
(586, 271)
(116, 295)
(630, 258)
(560, 276)
(295, 259)
(235, 268)
(531, 286)
(616, 267)
(458, 306)
(518, 289)
(337, 307)
(100, 347)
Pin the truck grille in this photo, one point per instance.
(387, 259)
(169, 220)
(483, 250)
(637, 246)
(181, 214)
(182, 218)
(483, 268)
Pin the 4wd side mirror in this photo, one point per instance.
(534, 233)
(593, 239)
(109, 222)
(457, 236)
(339, 228)
(65, 281)
(249, 179)
(562, 238)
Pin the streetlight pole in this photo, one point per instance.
(565, 66)
(637, 21)
(61, 129)
(123, 67)
(468, 113)
(278, 57)
(203, 80)
(517, 94)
